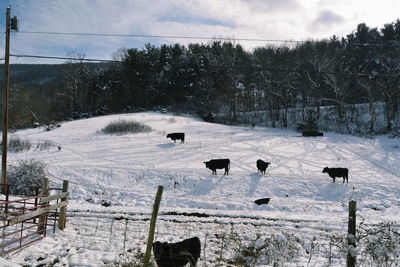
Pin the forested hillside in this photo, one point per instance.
(222, 77)
(42, 91)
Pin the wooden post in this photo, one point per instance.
(152, 226)
(43, 218)
(351, 235)
(6, 83)
(63, 210)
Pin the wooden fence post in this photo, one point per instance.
(63, 211)
(152, 226)
(351, 235)
(43, 218)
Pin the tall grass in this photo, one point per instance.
(17, 144)
(125, 127)
(44, 145)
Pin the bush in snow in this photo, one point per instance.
(17, 144)
(335, 248)
(377, 245)
(45, 145)
(276, 249)
(380, 245)
(26, 173)
(124, 127)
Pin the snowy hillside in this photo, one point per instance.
(125, 170)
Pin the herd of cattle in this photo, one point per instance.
(188, 250)
(215, 164)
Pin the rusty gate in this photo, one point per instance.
(26, 218)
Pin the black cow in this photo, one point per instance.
(262, 165)
(215, 164)
(177, 254)
(261, 201)
(337, 172)
(177, 136)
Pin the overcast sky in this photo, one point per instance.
(261, 19)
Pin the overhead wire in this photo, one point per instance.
(199, 38)
(163, 36)
(64, 58)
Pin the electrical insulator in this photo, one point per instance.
(14, 23)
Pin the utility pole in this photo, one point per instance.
(11, 24)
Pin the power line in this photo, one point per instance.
(163, 36)
(65, 58)
(201, 38)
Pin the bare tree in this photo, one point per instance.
(76, 78)
(319, 65)
(340, 82)
(389, 84)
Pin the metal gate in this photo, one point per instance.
(25, 219)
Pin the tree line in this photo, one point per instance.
(223, 77)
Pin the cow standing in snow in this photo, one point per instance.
(262, 166)
(177, 136)
(215, 164)
(337, 172)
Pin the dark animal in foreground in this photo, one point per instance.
(215, 164)
(262, 201)
(262, 165)
(337, 172)
(177, 136)
(177, 254)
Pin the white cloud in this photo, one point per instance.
(326, 20)
(271, 6)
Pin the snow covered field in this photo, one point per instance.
(125, 170)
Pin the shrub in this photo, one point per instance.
(381, 245)
(277, 249)
(16, 144)
(124, 127)
(45, 145)
(26, 173)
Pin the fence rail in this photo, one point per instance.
(24, 219)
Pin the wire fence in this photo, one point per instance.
(225, 242)
(223, 239)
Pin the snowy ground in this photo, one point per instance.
(125, 170)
